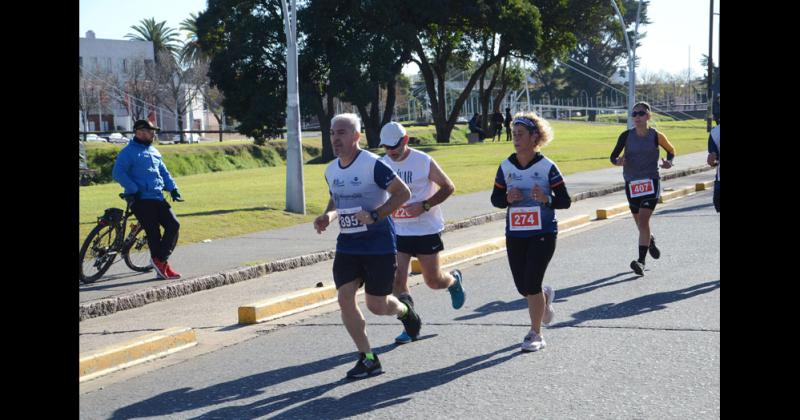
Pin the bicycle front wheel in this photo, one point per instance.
(137, 253)
(98, 253)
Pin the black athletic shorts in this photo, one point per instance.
(528, 259)
(643, 202)
(423, 245)
(716, 195)
(376, 271)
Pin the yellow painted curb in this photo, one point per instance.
(700, 186)
(135, 351)
(607, 212)
(464, 252)
(574, 222)
(680, 192)
(495, 244)
(284, 304)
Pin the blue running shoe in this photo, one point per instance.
(403, 338)
(457, 295)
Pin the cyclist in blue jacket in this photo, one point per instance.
(142, 173)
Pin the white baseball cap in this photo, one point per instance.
(392, 134)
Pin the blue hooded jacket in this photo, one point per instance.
(140, 170)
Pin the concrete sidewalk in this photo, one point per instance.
(231, 260)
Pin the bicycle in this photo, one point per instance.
(108, 240)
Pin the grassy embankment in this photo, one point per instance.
(236, 202)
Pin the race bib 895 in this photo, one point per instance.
(348, 223)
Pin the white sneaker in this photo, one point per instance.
(549, 312)
(532, 342)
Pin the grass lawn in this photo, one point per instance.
(231, 203)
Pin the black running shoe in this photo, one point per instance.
(654, 252)
(412, 322)
(365, 367)
(637, 267)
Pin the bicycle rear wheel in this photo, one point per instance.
(137, 253)
(98, 253)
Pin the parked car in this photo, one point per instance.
(117, 138)
(189, 137)
(94, 138)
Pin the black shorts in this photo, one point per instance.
(716, 195)
(376, 271)
(646, 201)
(422, 245)
(528, 259)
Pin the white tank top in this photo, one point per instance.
(414, 171)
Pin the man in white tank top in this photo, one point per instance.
(419, 222)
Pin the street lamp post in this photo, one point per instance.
(631, 59)
(295, 193)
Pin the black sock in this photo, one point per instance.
(642, 253)
(652, 240)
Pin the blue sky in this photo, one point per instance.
(679, 27)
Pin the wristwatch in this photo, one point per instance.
(426, 205)
(374, 215)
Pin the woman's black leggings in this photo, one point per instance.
(528, 259)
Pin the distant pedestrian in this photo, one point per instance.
(532, 188)
(508, 124)
(713, 160)
(640, 171)
(475, 126)
(363, 193)
(497, 121)
(141, 171)
(419, 222)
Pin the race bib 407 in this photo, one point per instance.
(641, 188)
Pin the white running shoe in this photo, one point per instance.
(532, 342)
(549, 312)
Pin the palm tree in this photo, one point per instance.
(191, 52)
(163, 37)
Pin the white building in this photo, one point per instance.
(100, 58)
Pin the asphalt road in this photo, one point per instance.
(621, 346)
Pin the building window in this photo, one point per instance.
(125, 65)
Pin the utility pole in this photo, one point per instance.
(631, 59)
(710, 95)
(295, 193)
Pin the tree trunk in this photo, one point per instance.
(325, 117)
(391, 98)
(180, 127)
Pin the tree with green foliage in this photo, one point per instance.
(191, 53)
(247, 46)
(364, 56)
(449, 30)
(163, 37)
(601, 47)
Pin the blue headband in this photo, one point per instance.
(526, 122)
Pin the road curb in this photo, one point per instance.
(138, 350)
(110, 305)
(286, 304)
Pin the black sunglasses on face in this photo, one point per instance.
(393, 147)
(639, 113)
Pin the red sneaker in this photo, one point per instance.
(160, 267)
(172, 274)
